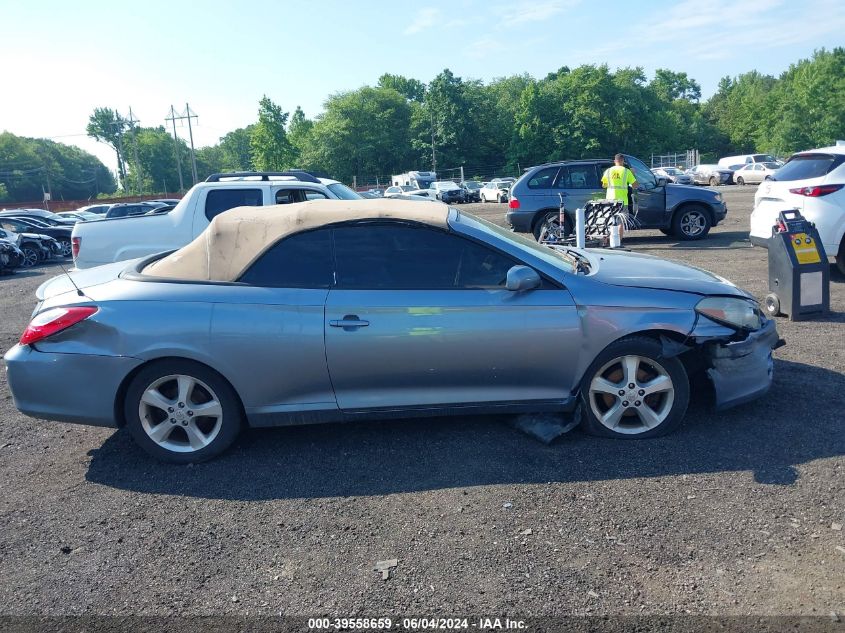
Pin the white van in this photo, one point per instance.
(734, 162)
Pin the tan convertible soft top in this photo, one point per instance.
(237, 238)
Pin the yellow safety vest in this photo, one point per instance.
(617, 179)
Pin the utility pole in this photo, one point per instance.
(132, 121)
(433, 153)
(188, 114)
(172, 119)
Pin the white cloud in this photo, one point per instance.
(425, 19)
(527, 11)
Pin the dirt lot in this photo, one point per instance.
(737, 513)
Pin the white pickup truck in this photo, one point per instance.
(99, 242)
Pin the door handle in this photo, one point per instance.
(349, 322)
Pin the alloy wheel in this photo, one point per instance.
(30, 257)
(180, 413)
(693, 223)
(631, 395)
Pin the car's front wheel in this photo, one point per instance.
(691, 223)
(30, 256)
(632, 390)
(713, 181)
(740, 181)
(180, 411)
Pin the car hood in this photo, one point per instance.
(636, 270)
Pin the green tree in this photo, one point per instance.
(271, 149)
(106, 126)
(236, 150)
(361, 133)
(806, 107)
(299, 133)
(411, 89)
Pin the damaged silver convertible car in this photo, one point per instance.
(347, 310)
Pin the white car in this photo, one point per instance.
(814, 183)
(496, 191)
(118, 239)
(397, 190)
(755, 173)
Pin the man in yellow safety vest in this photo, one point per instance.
(616, 180)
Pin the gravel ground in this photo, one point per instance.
(736, 513)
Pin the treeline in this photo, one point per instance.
(30, 167)
(402, 123)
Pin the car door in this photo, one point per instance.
(649, 196)
(539, 191)
(421, 318)
(268, 332)
(580, 183)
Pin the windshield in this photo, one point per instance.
(805, 166)
(771, 165)
(523, 243)
(343, 192)
(502, 185)
(424, 183)
(446, 185)
(471, 184)
(763, 158)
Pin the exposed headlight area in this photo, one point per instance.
(737, 313)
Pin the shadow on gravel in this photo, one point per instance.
(797, 422)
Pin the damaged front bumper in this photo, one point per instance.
(741, 370)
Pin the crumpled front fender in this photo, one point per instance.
(740, 370)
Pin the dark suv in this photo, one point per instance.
(684, 211)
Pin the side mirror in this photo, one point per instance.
(523, 278)
(662, 181)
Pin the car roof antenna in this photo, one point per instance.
(78, 290)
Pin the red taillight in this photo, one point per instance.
(54, 320)
(513, 203)
(75, 244)
(817, 191)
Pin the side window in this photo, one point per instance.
(644, 177)
(303, 260)
(315, 195)
(543, 179)
(219, 200)
(287, 196)
(405, 257)
(582, 177)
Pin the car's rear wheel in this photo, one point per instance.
(740, 181)
(551, 222)
(67, 250)
(632, 390)
(691, 223)
(713, 181)
(180, 411)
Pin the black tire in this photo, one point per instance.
(691, 222)
(713, 181)
(771, 304)
(740, 181)
(840, 257)
(552, 217)
(223, 429)
(609, 366)
(30, 256)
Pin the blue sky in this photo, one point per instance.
(59, 60)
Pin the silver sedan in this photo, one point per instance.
(351, 310)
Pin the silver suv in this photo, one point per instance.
(684, 211)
